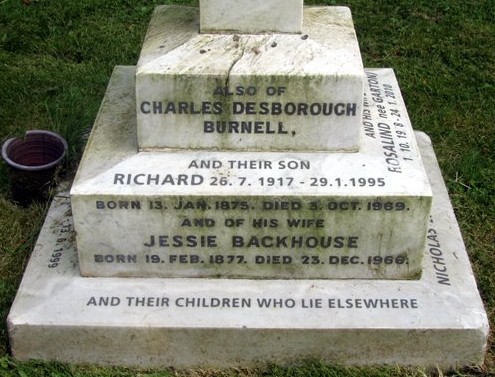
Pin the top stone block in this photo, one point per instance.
(250, 92)
(251, 16)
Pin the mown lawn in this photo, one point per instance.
(56, 58)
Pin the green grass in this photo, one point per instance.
(56, 58)
(9, 367)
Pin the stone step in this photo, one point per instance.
(253, 215)
(250, 92)
(437, 321)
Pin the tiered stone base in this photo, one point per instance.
(438, 320)
(288, 215)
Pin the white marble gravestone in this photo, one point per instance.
(253, 215)
(290, 235)
(252, 204)
(437, 321)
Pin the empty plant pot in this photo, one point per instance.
(33, 162)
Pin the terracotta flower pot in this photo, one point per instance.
(33, 162)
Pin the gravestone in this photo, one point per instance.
(247, 205)
(242, 184)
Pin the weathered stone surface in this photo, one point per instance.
(252, 16)
(256, 215)
(250, 92)
(438, 320)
